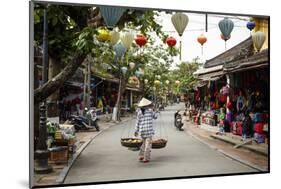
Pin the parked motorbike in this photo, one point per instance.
(82, 123)
(178, 121)
(161, 107)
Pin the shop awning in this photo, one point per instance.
(208, 70)
(211, 76)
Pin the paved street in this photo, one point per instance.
(106, 160)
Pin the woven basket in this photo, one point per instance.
(160, 143)
(126, 143)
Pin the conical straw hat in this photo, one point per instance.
(144, 102)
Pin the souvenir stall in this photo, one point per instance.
(250, 95)
(214, 99)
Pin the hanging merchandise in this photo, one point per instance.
(140, 40)
(127, 40)
(119, 50)
(180, 22)
(132, 65)
(226, 27)
(171, 41)
(251, 25)
(103, 35)
(111, 15)
(124, 70)
(258, 40)
(114, 37)
(157, 82)
(146, 81)
(202, 39)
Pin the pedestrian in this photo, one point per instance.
(144, 128)
(221, 122)
(246, 126)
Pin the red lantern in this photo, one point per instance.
(171, 41)
(202, 39)
(225, 38)
(140, 40)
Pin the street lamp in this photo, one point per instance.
(41, 154)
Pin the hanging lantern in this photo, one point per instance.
(202, 39)
(127, 40)
(146, 81)
(103, 35)
(140, 40)
(132, 65)
(251, 25)
(133, 80)
(177, 82)
(171, 41)
(158, 76)
(119, 50)
(180, 22)
(226, 27)
(124, 70)
(114, 37)
(111, 15)
(137, 73)
(225, 38)
(167, 82)
(258, 39)
(157, 82)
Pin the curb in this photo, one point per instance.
(227, 154)
(244, 146)
(64, 172)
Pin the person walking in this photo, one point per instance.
(144, 128)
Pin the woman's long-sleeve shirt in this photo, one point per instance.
(144, 124)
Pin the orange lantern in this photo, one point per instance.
(202, 39)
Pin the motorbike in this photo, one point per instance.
(178, 121)
(161, 107)
(82, 123)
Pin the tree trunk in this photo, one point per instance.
(52, 107)
(121, 90)
(54, 84)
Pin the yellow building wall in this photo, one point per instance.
(262, 25)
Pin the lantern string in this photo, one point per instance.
(180, 50)
(202, 50)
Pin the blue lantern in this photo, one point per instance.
(111, 15)
(119, 50)
(137, 73)
(226, 27)
(251, 25)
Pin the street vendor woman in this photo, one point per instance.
(144, 128)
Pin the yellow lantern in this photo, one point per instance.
(157, 82)
(103, 35)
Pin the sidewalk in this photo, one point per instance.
(83, 139)
(251, 153)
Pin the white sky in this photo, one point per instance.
(196, 26)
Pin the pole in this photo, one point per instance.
(41, 154)
(206, 22)
(89, 85)
(180, 50)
